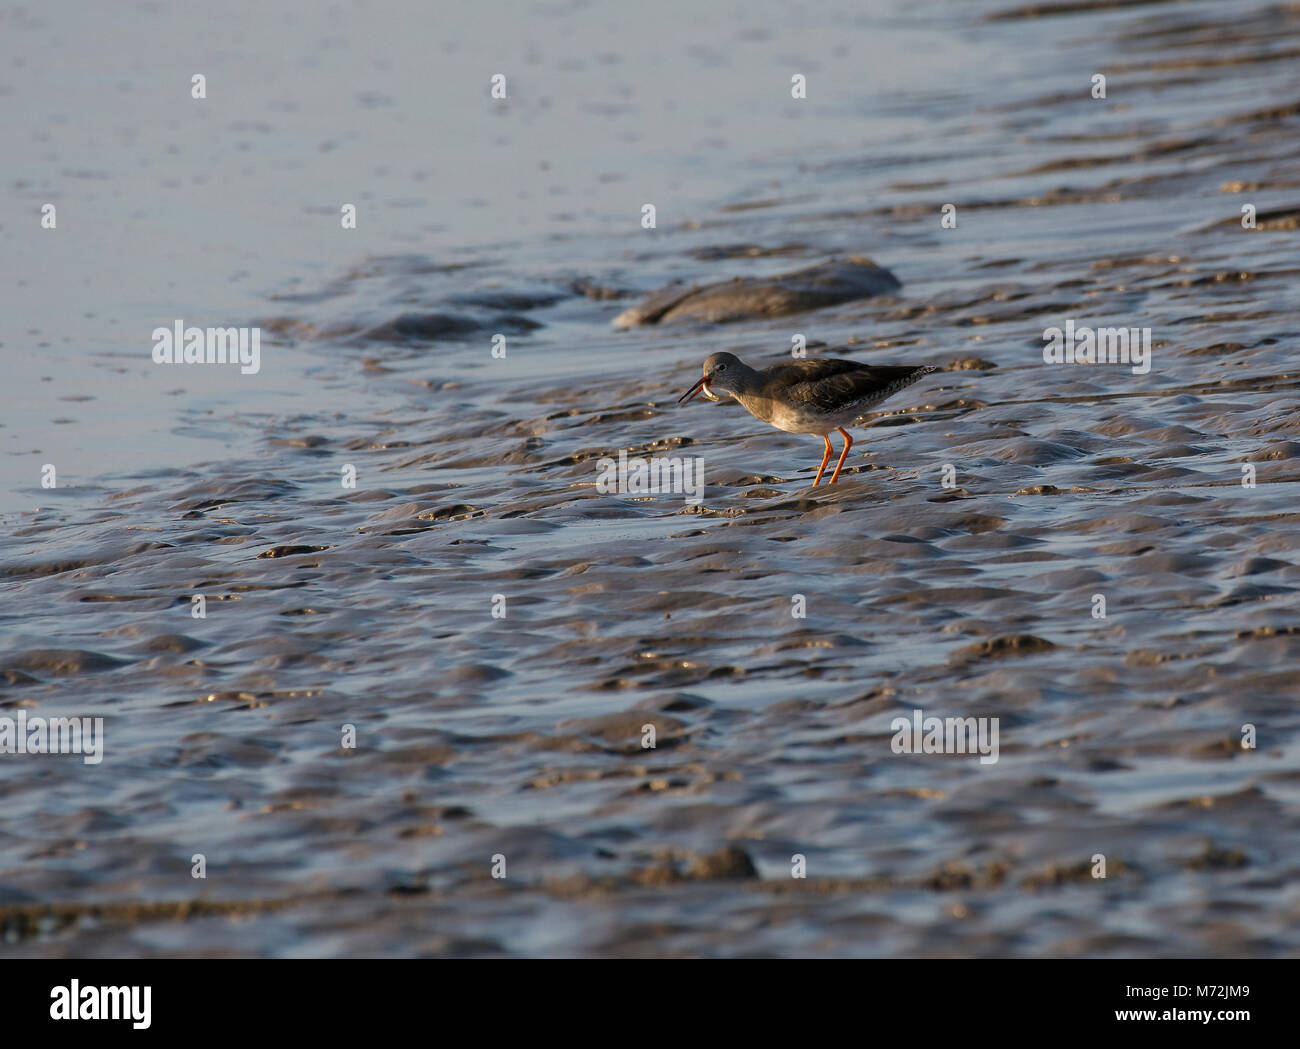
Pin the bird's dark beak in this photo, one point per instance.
(694, 389)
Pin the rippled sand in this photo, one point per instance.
(521, 736)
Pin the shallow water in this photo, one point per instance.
(476, 477)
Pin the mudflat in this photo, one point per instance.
(497, 632)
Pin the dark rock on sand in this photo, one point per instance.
(61, 662)
(413, 327)
(826, 284)
(290, 550)
(998, 647)
(731, 862)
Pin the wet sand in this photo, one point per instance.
(477, 476)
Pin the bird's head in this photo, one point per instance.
(719, 371)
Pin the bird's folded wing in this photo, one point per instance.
(834, 387)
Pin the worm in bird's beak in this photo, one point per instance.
(700, 387)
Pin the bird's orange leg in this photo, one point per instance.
(825, 459)
(848, 443)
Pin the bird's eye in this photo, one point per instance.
(720, 368)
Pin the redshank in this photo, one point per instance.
(812, 395)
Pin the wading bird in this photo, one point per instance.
(812, 395)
